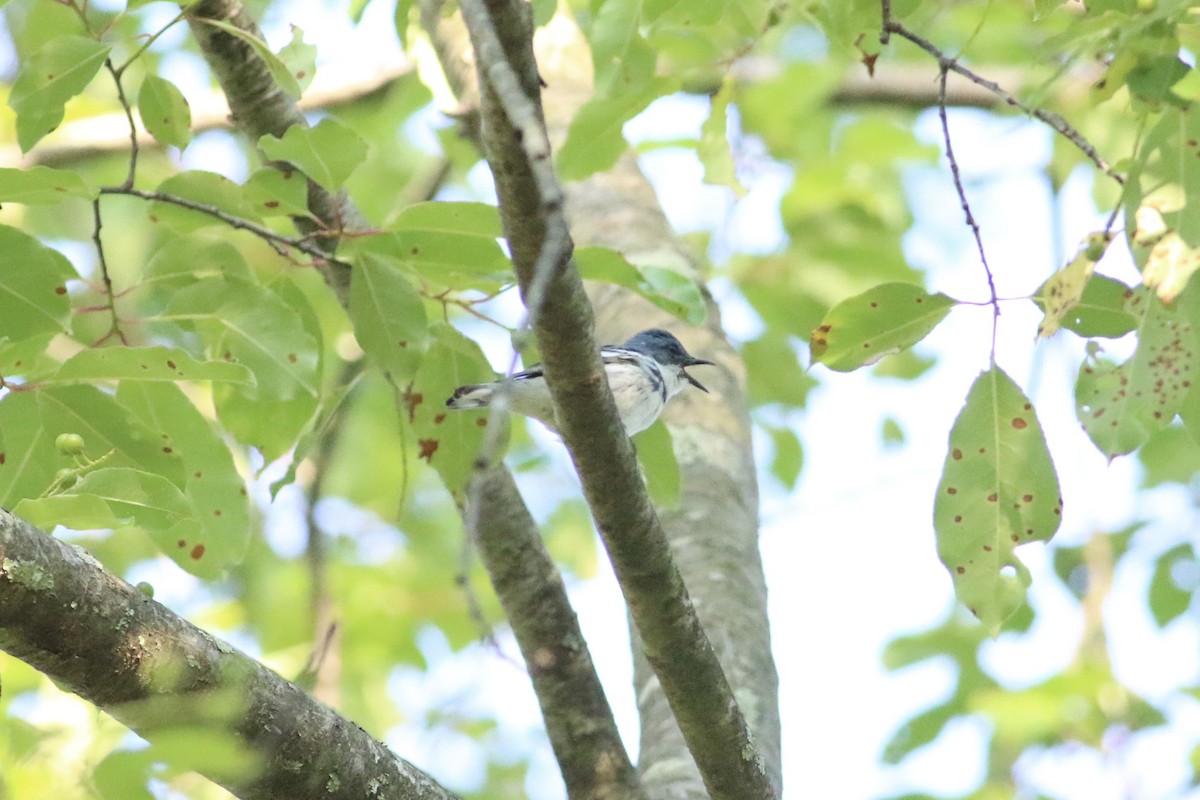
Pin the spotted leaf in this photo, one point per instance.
(998, 490)
(883, 320)
(1064, 289)
(446, 439)
(1121, 405)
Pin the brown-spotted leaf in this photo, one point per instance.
(1064, 289)
(883, 320)
(998, 490)
(446, 439)
(1121, 405)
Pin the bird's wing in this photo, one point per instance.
(535, 371)
(612, 354)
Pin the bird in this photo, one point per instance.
(643, 374)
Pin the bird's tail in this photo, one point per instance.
(475, 395)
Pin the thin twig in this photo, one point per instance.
(301, 243)
(946, 63)
(108, 285)
(149, 41)
(133, 137)
(556, 246)
(966, 206)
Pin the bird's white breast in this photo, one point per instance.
(638, 394)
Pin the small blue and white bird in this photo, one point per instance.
(643, 374)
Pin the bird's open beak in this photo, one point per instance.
(695, 362)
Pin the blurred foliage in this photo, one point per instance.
(206, 368)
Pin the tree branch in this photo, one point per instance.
(578, 719)
(674, 641)
(948, 64)
(94, 634)
(259, 107)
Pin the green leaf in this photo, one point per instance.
(773, 371)
(32, 420)
(594, 140)
(277, 193)
(249, 325)
(27, 359)
(892, 432)
(218, 530)
(41, 186)
(998, 490)
(447, 440)
(388, 316)
(920, 730)
(886, 319)
(613, 34)
(185, 259)
(149, 501)
(33, 297)
(1152, 78)
(300, 58)
(1169, 456)
(80, 512)
(1100, 310)
(168, 364)
(445, 243)
(373, 454)
(714, 150)
(1168, 599)
(669, 289)
(59, 70)
(123, 774)
(165, 112)
(327, 154)
(1121, 405)
(280, 72)
(474, 219)
(657, 456)
(208, 190)
(789, 456)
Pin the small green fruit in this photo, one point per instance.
(66, 477)
(146, 589)
(69, 444)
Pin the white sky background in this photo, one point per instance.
(850, 555)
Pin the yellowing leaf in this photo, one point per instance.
(998, 490)
(1171, 261)
(1063, 291)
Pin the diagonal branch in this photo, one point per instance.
(674, 641)
(93, 633)
(946, 63)
(260, 107)
(578, 720)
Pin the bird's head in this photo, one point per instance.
(667, 351)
